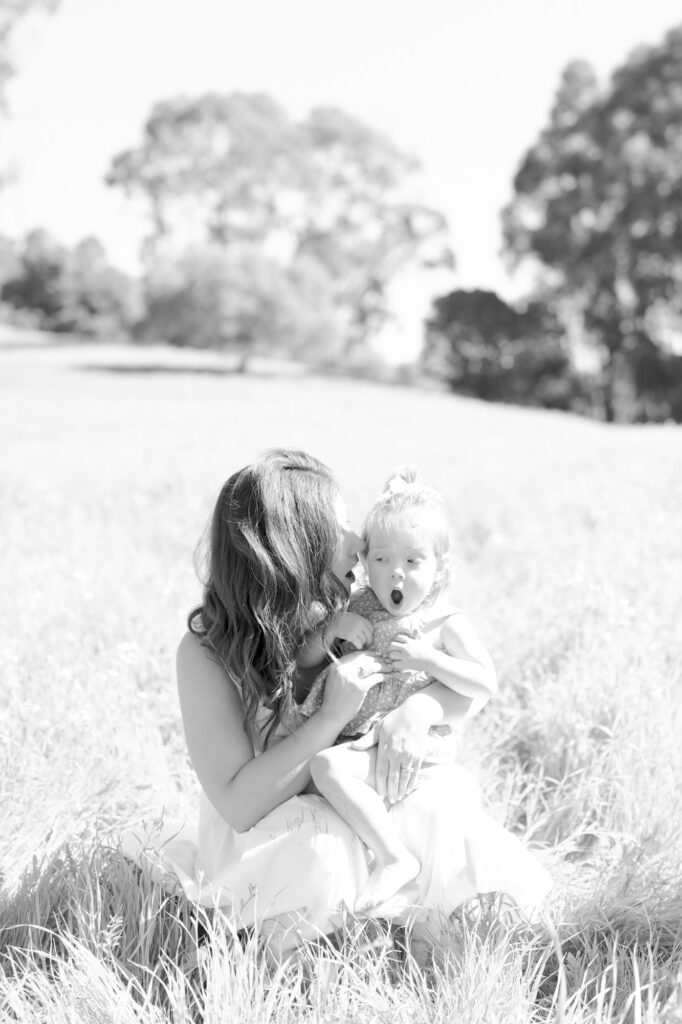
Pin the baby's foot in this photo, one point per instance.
(385, 881)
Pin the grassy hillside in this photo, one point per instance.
(569, 561)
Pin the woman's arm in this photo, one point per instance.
(242, 787)
(403, 735)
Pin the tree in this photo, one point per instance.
(598, 202)
(8, 259)
(483, 347)
(361, 220)
(37, 282)
(213, 169)
(236, 169)
(11, 12)
(237, 300)
(69, 290)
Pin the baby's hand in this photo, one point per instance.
(414, 653)
(354, 628)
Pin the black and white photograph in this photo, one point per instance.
(341, 512)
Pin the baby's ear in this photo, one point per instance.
(401, 478)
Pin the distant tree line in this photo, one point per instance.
(271, 234)
(50, 286)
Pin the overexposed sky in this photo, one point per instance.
(465, 85)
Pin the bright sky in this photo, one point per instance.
(465, 85)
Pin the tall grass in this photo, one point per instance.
(570, 565)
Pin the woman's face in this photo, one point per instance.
(348, 547)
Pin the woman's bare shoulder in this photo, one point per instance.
(204, 687)
(196, 665)
(190, 645)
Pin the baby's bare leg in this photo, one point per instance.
(346, 778)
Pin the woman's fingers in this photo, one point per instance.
(396, 773)
(366, 682)
(407, 781)
(401, 781)
(348, 681)
(393, 780)
(393, 785)
(382, 768)
(363, 662)
(401, 746)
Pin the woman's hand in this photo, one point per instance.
(402, 737)
(348, 681)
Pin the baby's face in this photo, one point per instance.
(401, 564)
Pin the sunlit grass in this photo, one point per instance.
(569, 561)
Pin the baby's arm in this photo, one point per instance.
(353, 628)
(463, 664)
(344, 626)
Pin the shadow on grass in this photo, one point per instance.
(161, 368)
(39, 342)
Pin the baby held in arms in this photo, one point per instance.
(404, 616)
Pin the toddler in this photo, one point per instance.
(401, 615)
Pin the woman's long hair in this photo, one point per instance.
(268, 579)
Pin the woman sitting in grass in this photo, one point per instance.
(281, 563)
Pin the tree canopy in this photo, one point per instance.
(11, 12)
(238, 300)
(63, 289)
(598, 204)
(230, 170)
(484, 347)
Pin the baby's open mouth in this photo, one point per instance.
(397, 597)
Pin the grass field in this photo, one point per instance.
(568, 541)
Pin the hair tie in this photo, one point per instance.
(397, 484)
(404, 479)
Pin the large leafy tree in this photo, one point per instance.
(481, 346)
(361, 220)
(214, 169)
(236, 169)
(598, 203)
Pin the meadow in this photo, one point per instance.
(568, 559)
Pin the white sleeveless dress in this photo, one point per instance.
(302, 862)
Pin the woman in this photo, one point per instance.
(280, 566)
